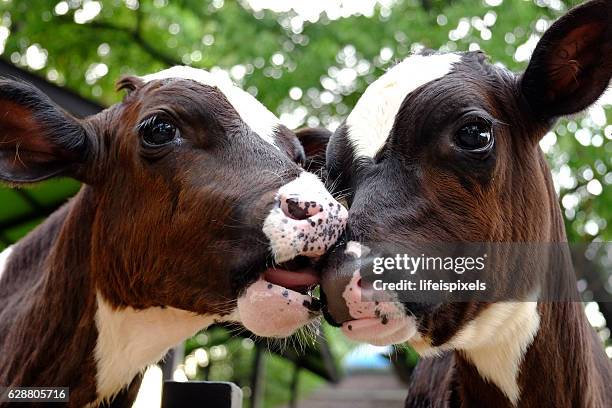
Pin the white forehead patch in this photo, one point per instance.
(253, 113)
(4, 255)
(370, 122)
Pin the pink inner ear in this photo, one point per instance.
(575, 52)
(19, 131)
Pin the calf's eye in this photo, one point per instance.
(158, 132)
(474, 136)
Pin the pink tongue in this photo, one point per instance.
(289, 279)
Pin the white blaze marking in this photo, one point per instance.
(495, 342)
(129, 340)
(4, 255)
(253, 113)
(370, 122)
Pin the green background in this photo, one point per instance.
(308, 64)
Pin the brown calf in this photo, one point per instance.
(191, 193)
(444, 148)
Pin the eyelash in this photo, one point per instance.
(147, 122)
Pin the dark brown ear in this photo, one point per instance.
(287, 141)
(314, 141)
(572, 63)
(129, 83)
(37, 139)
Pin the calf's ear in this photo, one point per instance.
(314, 141)
(572, 63)
(38, 140)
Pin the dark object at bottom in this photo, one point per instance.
(201, 394)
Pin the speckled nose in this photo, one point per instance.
(298, 208)
(305, 220)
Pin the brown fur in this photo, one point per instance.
(175, 225)
(420, 187)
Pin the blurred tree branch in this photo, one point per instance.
(426, 4)
(135, 34)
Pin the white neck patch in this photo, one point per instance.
(4, 255)
(495, 342)
(253, 113)
(129, 340)
(370, 122)
(500, 339)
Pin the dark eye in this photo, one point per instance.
(157, 132)
(474, 136)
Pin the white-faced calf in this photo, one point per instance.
(191, 192)
(444, 148)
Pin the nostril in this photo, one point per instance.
(298, 210)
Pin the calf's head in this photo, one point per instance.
(195, 193)
(444, 148)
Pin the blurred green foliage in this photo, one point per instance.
(220, 354)
(308, 67)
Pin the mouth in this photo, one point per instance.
(297, 276)
(280, 301)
